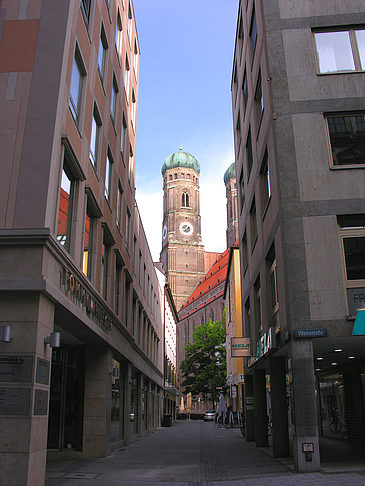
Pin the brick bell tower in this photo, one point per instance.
(182, 254)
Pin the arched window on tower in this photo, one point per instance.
(185, 200)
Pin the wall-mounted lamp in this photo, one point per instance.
(54, 339)
(6, 334)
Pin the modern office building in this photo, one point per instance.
(81, 353)
(298, 96)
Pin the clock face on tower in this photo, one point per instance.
(186, 228)
(164, 232)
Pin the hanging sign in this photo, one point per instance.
(240, 346)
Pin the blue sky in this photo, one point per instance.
(185, 101)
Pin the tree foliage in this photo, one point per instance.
(204, 366)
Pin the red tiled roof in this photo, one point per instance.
(215, 276)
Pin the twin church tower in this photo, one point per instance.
(182, 255)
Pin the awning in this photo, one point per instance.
(359, 326)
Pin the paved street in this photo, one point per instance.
(195, 453)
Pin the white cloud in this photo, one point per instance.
(150, 208)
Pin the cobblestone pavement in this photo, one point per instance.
(195, 453)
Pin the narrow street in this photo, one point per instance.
(195, 453)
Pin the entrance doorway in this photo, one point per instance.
(65, 417)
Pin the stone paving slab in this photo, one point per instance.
(196, 454)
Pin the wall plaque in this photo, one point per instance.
(42, 373)
(15, 401)
(16, 368)
(40, 402)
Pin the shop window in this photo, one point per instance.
(340, 50)
(347, 139)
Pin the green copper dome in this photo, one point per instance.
(230, 173)
(180, 159)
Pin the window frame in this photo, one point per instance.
(93, 156)
(355, 51)
(108, 176)
(328, 134)
(75, 108)
(102, 50)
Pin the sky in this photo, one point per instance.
(184, 101)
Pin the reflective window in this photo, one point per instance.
(347, 138)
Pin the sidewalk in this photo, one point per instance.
(195, 453)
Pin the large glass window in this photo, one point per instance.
(347, 138)
(265, 182)
(340, 51)
(108, 177)
(88, 241)
(113, 99)
(253, 30)
(253, 224)
(118, 35)
(249, 157)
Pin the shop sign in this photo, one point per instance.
(265, 343)
(234, 391)
(309, 333)
(80, 293)
(240, 346)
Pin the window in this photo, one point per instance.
(78, 73)
(242, 190)
(240, 36)
(253, 30)
(352, 237)
(235, 84)
(127, 226)
(244, 253)
(103, 46)
(247, 323)
(249, 158)
(113, 99)
(108, 177)
(118, 283)
(245, 90)
(118, 218)
(188, 176)
(65, 208)
(85, 9)
(258, 307)
(340, 51)
(118, 35)
(123, 135)
(238, 134)
(94, 138)
(135, 59)
(131, 163)
(253, 225)
(259, 100)
(134, 111)
(185, 200)
(130, 25)
(347, 139)
(265, 182)
(273, 283)
(127, 77)
(89, 229)
(104, 266)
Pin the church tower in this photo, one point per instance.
(232, 213)
(182, 254)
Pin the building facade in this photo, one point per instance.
(233, 306)
(182, 253)
(298, 110)
(81, 352)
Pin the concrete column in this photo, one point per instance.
(259, 389)
(279, 409)
(96, 402)
(304, 406)
(139, 404)
(249, 408)
(25, 364)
